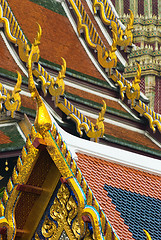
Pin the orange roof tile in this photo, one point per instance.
(6, 60)
(94, 98)
(4, 139)
(129, 135)
(98, 172)
(28, 102)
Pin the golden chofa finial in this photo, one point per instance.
(43, 121)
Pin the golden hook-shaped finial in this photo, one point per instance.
(43, 121)
(38, 37)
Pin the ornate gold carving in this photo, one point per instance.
(48, 228)
(12, 102)
(63, 211)
(72, 208)
(82, 193)
(107, 59)
(93, 131)
(124, 38)
(96, 131)
(55, 87)
(154, 118)
(43, 121)
(132, 91)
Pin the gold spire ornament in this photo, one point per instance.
(43, 121)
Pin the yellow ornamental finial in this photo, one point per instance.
(38, 37)
(133, 92)
(95, 131)
(57, 87)
(12, 102)
(43, 121)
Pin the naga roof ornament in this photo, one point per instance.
(124, 37)
(133, 94)
(106, 58)
(11, 101)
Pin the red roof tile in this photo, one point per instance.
(4, 139)
(103, 172)
(6, 60)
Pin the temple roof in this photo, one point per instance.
(124, 165)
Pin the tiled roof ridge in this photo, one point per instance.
(84, 24)
(56, 88)
(13, 30)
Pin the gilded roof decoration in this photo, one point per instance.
(10, 196)
(13, 30)
(124, 38)
(11, 101)
(43, 120)
(106, 58)
(87, 204)
(15, 35)
(55, 87)
(133, 94)
(83, 123)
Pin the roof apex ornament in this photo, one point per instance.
(11, 102)
(43, 121)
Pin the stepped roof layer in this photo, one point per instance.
(59, 39)
(86, 100)
(130, 198)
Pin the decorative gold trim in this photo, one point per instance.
(133, 94)
(124, 38)
(13, 30)
(93, 131)
(68, 168)
(12, 102)
(10, 197)
(56, 87)
(107, 59)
